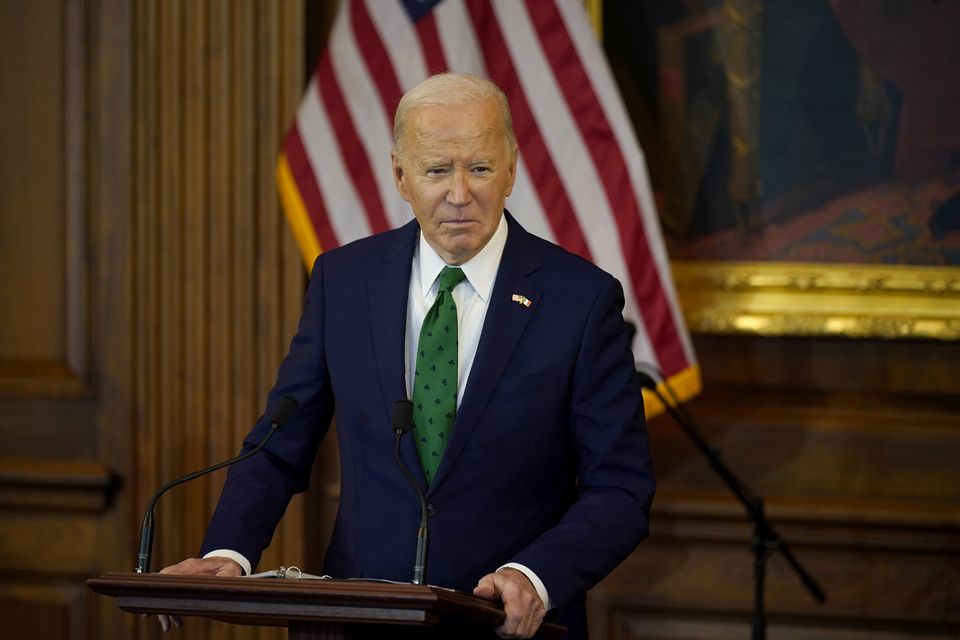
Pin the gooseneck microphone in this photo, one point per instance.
(402, 420)
(279, 417)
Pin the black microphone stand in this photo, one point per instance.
(766, 541)
(402, 419)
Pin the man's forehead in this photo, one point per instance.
(468, 118)
(487, 148)
(442, 135)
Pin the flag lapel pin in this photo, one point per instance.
(519, 299)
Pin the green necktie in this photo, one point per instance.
(435, 376)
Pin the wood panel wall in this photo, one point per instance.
(855, 444)
(149, 288)
(148, 282)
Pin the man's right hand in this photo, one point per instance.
(215, 566)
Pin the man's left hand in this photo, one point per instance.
(521, 603)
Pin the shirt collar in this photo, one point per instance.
(481, 269)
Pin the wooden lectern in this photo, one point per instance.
(313, 609)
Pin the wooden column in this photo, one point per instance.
(218, 283)
(148, 284)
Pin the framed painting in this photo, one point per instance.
(805, 158)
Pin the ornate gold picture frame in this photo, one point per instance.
(774, 298)
(800, 299)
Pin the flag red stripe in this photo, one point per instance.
(430, 43)
(307, 184)
(375, 44)
(351, 149)
(601, 142)
(376, 58)
(539, 162)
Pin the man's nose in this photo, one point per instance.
(459, 192)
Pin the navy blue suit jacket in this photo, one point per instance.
(548, 464)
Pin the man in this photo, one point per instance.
(529, 436)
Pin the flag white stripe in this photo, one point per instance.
(524, 204)
(339, 197)
(399, 36)
(607, 93)
(460, 46)
(577, 173)
(462, 52)
(364, 103)
(563, 140)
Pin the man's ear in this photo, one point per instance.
(512, 174)
(398, 175)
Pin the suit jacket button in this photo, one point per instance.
(431, 510)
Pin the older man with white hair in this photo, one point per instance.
(529, 437)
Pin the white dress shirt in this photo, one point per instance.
(472, 297)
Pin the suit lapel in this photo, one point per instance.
(503, 326)
(388, 284)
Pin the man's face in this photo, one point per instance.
(455, 171)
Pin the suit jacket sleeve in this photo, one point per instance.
(258, 490)
(614, 473)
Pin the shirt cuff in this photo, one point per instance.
(534, 579)
(236, 557)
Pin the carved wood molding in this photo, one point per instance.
(41, 380)
(877, 525)
(54, 485)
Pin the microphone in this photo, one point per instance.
(282, 412)
(647, 381)
(401, 420)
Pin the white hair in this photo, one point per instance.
(452, 90)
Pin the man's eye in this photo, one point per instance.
(436, 171)
(481, 169)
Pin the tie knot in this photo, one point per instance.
(450, 277)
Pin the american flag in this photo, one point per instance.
(581, 177)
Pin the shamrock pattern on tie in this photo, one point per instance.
(435, 375)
